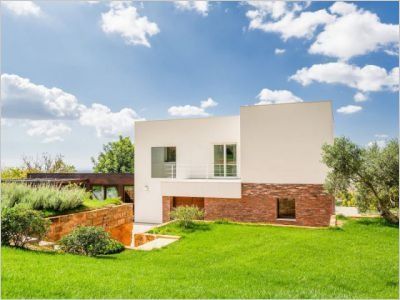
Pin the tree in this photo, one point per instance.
(47, 164)
(117, 157)
(372, 172)
(44, 163)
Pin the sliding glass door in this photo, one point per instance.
(225, 160)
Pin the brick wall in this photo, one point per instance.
(314, 206)
(117, 220)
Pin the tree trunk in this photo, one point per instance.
(389, 216)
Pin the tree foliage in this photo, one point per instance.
(117, 157)
(44, 163)
(372, 172)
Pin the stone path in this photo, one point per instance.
(156, 244)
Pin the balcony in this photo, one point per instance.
(206, 171)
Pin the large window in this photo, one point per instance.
(225, 160)
(163, 162)
(286, 208)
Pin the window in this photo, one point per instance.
(286, 208)
(111, 192)
(163, 162)
(225, 157)
(98, 192)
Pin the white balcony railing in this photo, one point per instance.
(207, 171)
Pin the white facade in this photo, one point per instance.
(275, 144)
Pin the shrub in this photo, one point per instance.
(90, 241)
(186, 214)
(18, 224)
(43, 197)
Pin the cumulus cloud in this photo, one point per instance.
(200, 7)
(108, 123)
(370, 78)
(267, 96)
(347, 31)
(360, 97)
(381, 140)
(22, 8)
(191, 110)
(123, 19)
(349, 109)
(25, 100)
(354, 32)
(49, 130)
(279, 51)
(381, 135)
(286, 18)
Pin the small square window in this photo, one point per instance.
(286, 208)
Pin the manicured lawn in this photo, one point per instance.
(222, 261)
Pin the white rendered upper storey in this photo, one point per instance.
(211, 157)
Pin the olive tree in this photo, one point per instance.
(371, 172)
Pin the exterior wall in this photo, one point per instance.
(281, 143)
(193, 139)
(117, 220)
(314, 207)
(229, 188)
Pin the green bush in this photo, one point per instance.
(186, 215)
(90, 241)
(43, 197)
(18, 224)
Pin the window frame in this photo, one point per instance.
(225, 159)
(165, 160)
(278, 217)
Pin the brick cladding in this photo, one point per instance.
(314, 206)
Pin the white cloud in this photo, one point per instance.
(381, 135)
(267, 96)
(23, 99)
(208, 103)
(200, 7)
(370, 78)
(360, 97)
(279, 51)
(354, 32)
(191, 110)
(349, 109)
(124, 19)
(108, 123)
(22, 8)
(285, 18)
(50, 131)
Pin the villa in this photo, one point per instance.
(263, 165)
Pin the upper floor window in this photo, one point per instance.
(163, 162)
(225, 160)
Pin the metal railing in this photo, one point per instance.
(206, 171)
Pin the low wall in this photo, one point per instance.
(117, 220)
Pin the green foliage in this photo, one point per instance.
(186, 215)
(117, 157)
(348, 198)
(94, 203)
(372, 172)
(90, 241)
(42, 197)
(13, 173)
(18, 224)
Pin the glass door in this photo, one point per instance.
(225, 160)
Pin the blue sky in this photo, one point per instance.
(160, 60)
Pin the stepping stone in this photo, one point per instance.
(156, 244)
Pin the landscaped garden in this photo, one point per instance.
(221, 260)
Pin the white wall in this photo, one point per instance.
(281, 143)
(193, 139)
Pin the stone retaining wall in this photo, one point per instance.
(117, 220)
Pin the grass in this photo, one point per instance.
(88, 204)
(360, 260)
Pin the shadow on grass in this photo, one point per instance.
(375, 221)
(196, 227)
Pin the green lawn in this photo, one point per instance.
(222, 261)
